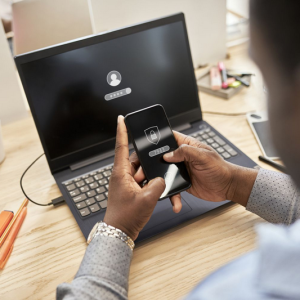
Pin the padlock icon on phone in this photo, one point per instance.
(153, 135)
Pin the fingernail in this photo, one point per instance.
(119, 118)
(169, 155)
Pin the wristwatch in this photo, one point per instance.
(101, 228)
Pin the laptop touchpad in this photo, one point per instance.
(163, 212)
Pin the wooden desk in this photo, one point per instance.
(50, 246)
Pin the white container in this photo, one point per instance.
(2, 153)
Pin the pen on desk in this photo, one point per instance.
(273, 164)
(222, 70)
(5, 218)
(8, 228)
(8, 244)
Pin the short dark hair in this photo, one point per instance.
(279, 23)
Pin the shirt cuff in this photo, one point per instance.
(107, 258)
(274, 197)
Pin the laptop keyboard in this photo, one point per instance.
(89, 191)
(209, 137)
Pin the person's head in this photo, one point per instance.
(113, 77)
(275, 47)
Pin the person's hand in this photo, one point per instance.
(130, 206)
(212, 178)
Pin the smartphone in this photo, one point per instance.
(259, 124)
(152, 137)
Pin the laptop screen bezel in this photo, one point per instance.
(65, 161)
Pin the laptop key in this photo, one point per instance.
(84, 212)
(95, 207)
(93, 173)
(219, 141)
(68, 182)
(204, 142)
(210, 141)
(75, 193)
(211, 134)
(80, 183)
(81, 205)
(100, 197)
(103, 204)
(94, 185)
(106, 194)
(90, 201)
(215, 145)
(220, 150)
(207, 130)
(77, 179)
(89, 180)
(230, 150)
(103, 182)
(84, 189)
(101, 190)
(107, 173)
(91, 193)
(205, 136)
(79, 198)
(98, 176)
(226, 155)
(199, 138)
(71, 187)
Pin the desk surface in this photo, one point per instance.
(50, 246)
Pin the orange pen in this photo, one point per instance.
(5, 218)
(2, 265)
(6, 247)
(7, 230)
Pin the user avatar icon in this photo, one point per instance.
(114, 78)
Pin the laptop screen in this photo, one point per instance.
(77, 95)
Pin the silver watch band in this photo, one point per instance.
(101, 228)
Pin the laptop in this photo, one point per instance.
(77, 89)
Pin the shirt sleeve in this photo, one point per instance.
(275, 198)
(103, 273)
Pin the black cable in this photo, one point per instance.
(21, 183)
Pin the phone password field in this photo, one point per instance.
(159, 151)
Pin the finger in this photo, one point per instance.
(121, 149)
(139, 176)
(188, 140)
(153, 190)
(183, 153)
(176, 203)
(135, 162)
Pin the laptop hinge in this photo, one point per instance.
(182, 127)
(94, 159)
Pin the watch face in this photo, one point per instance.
(92, 233)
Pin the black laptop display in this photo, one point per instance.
(76, 91)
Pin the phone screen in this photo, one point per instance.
(152, 137)
(263, 132)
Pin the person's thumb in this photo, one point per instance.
(154, 189)
(183, 153)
